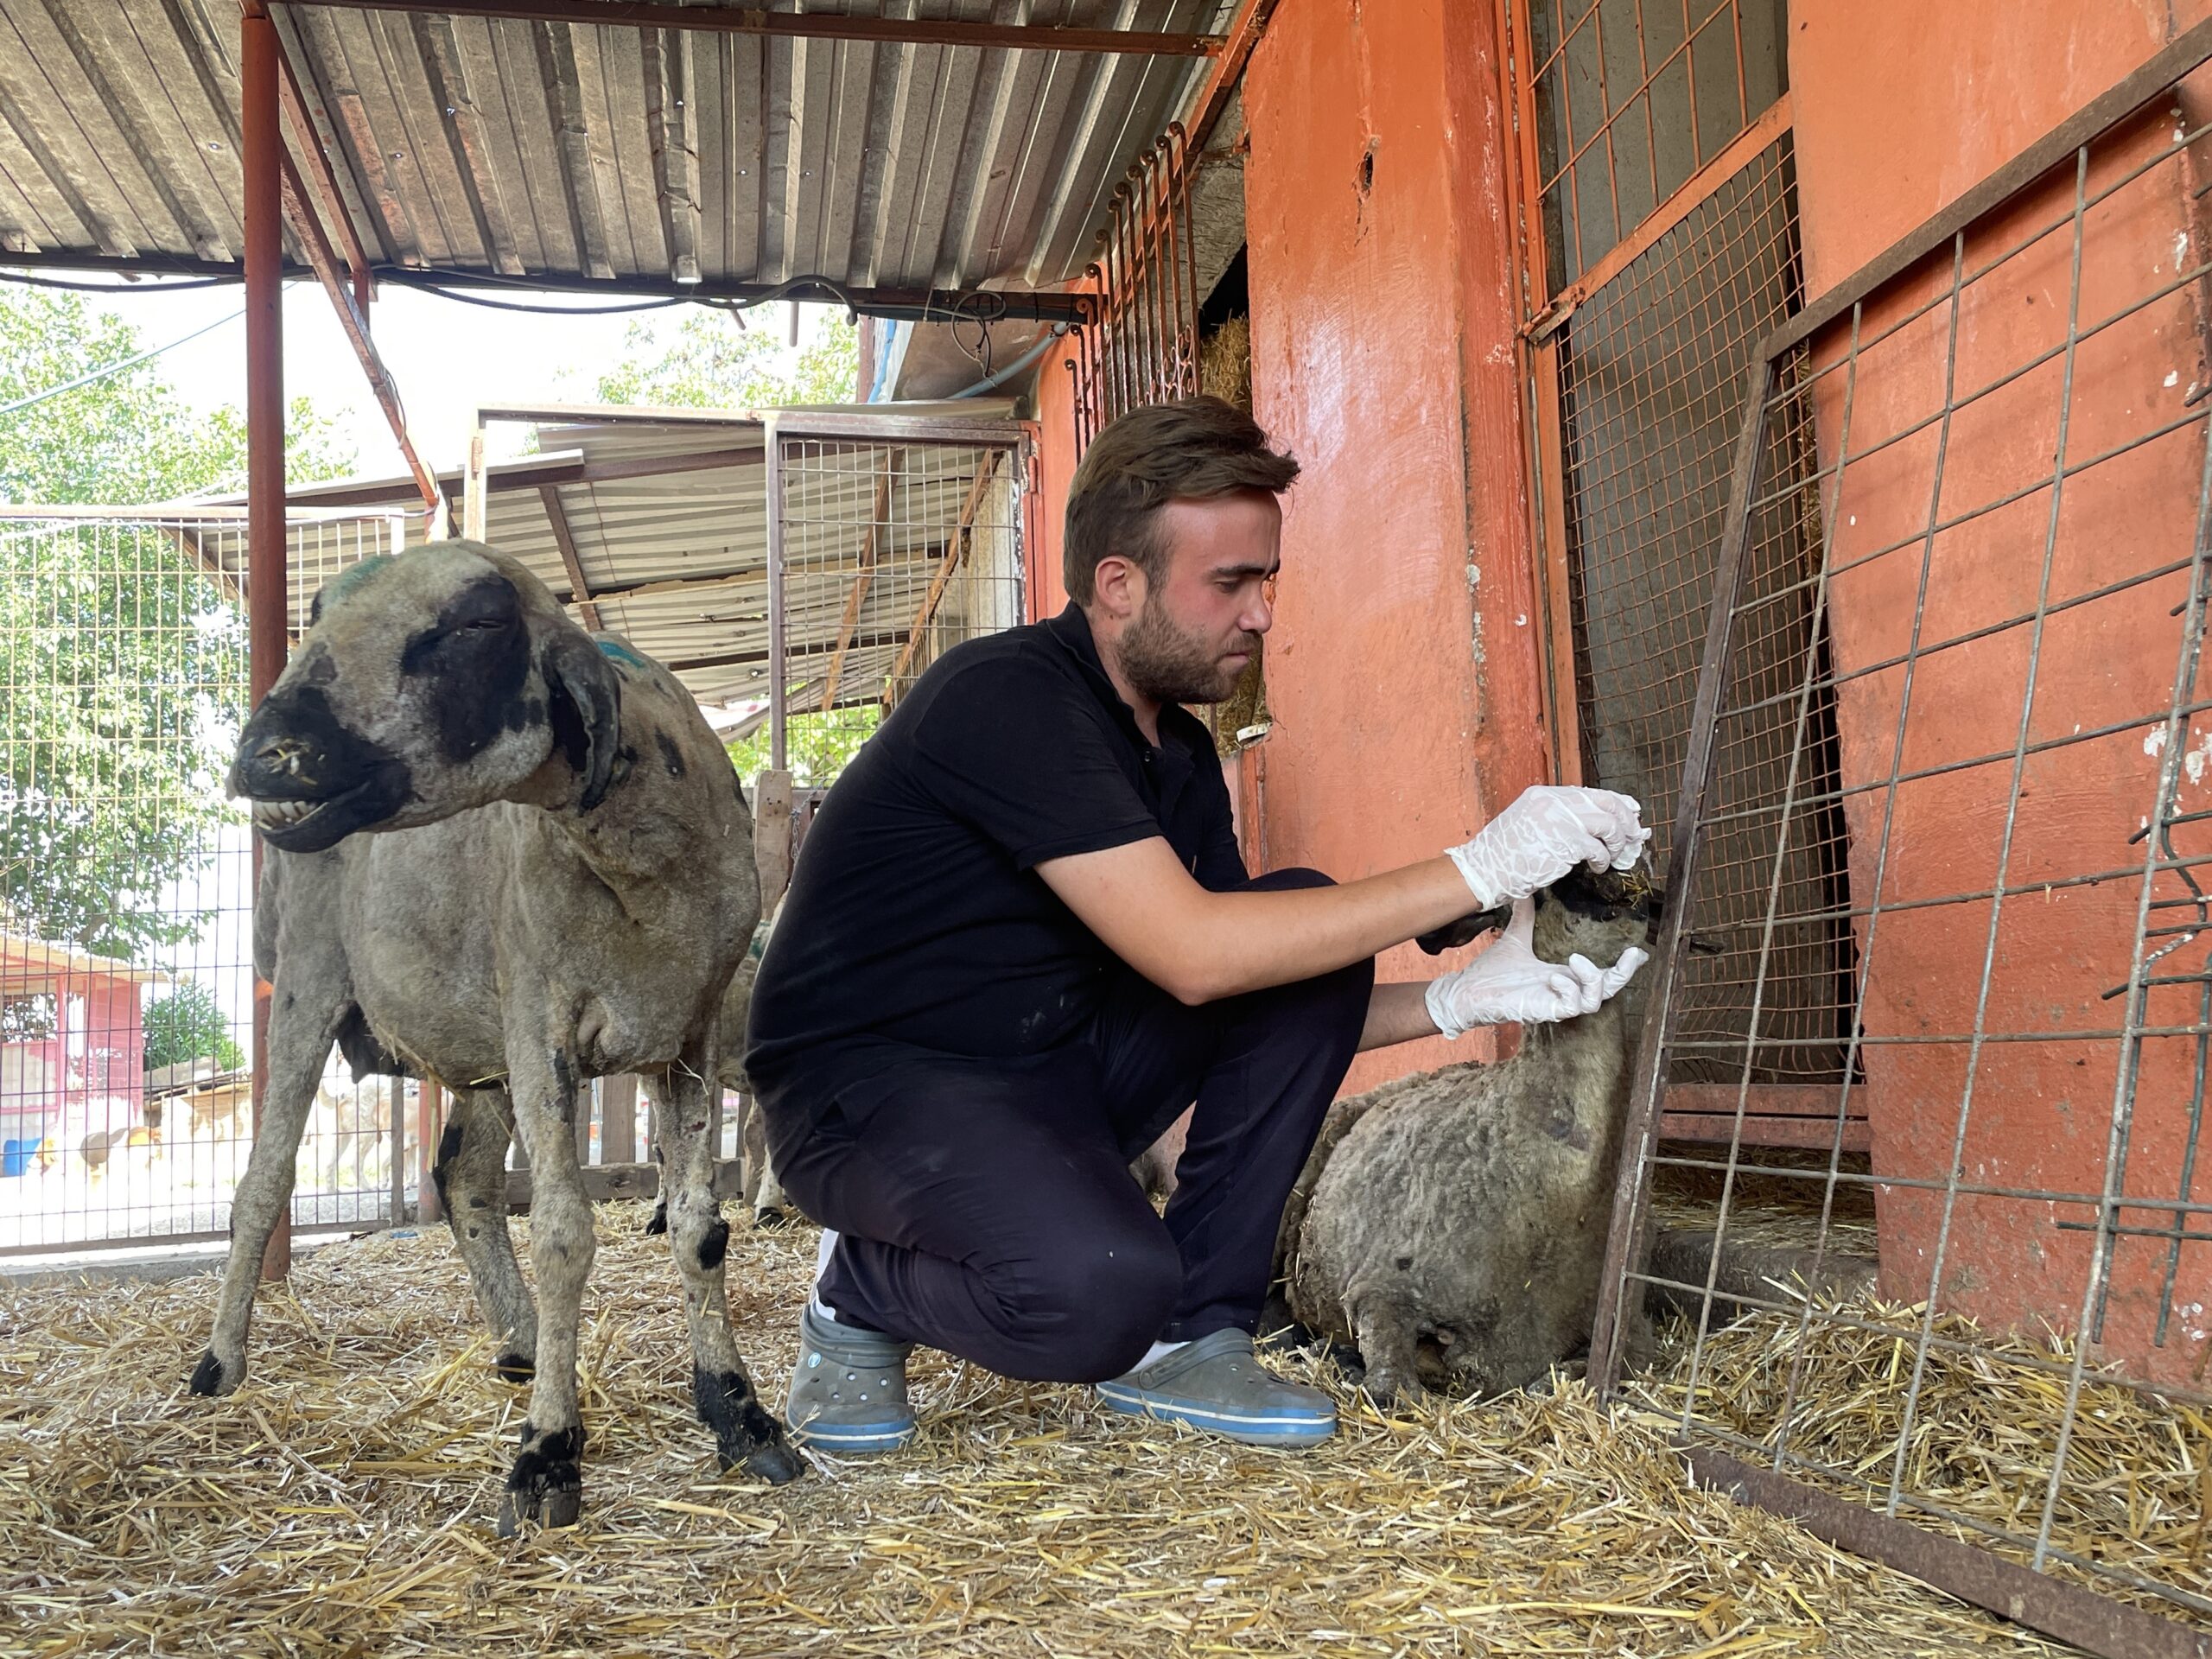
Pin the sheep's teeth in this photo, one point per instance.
(283, 814)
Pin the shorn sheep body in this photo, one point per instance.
(1451, 1226)
(559, 887)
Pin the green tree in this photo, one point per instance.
(123, 660)
(817, 745)
(188, 1025)
(715, 361)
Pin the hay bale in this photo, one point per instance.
(1226, 362)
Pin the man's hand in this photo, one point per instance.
(1546, 833)
(1508, 983)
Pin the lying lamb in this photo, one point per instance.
(572, 891)
(1452, 1226)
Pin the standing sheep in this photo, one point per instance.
(572, 889)
(1452, 1226)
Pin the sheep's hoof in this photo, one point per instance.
(546, 1485)
(746, 1437)
(209, 1377)
(771, 1218)
(514, 1368)
(659, 1224)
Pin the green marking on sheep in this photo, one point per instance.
(621, 652)
(353, 577)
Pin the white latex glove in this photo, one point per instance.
(1544, 833)
(1510, 984)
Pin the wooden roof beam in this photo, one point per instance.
(580, 594)
(301, 215)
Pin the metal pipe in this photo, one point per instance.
(772, 434)
(261, 155)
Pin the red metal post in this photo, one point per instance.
(263, 152)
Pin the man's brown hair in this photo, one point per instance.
(1193, 449)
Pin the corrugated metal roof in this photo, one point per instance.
(676, 561)
(529, 149)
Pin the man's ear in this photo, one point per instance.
(1119, 585)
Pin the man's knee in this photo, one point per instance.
(1091, 1307)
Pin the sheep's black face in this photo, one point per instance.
(311, 781)
(421, 690)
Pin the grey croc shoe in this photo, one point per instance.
(849, 1389)
(1217, 1385)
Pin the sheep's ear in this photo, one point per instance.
(583, 697)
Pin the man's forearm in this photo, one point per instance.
(1198, 945)
(1396, 1014)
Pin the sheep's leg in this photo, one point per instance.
(1385, 1332)
(471, 1177)
(546, 1483)
(746, 1436)
(300, 1037)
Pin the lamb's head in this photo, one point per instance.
(438, 680)
(1597, 913)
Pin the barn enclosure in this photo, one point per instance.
(1944, 799)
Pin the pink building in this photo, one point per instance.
(88, 1076)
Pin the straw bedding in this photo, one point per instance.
(340, 1504)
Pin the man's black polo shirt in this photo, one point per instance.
(915, 919)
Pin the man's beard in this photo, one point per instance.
(1163, 663)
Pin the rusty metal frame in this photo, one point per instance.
(2073, 1612)
(834, 26)
(1139, 342)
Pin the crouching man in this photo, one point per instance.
(1022, 941)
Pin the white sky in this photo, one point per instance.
(448, 357)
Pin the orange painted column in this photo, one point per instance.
(1899, 109)
(1403, 673)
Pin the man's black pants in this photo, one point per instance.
(986, 1207)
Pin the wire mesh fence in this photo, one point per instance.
(126, 890)
(1633, 97)
(889, 554)
(1957, 669)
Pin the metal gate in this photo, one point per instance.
(1660, 201)
(1969, 514)
(127, 889)
(891, 538)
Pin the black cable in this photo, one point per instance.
(162, 285)
(467, 298)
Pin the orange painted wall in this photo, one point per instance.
(1048, 595)
(1403, 672)
(1900, 108)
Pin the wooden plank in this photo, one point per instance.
(429, 1124)
(617, 1120)
(1858, 1135)
(953, 552)
(580, 593)
(772, 836)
